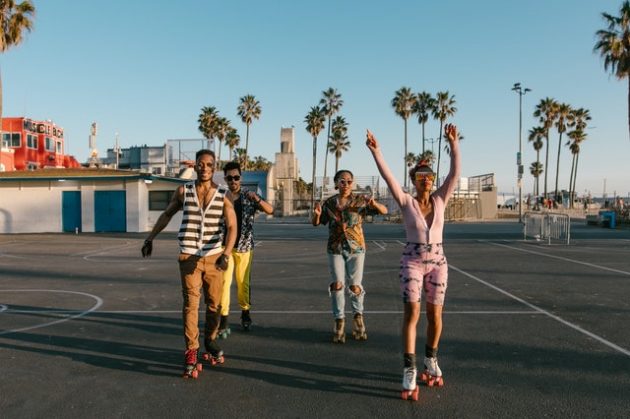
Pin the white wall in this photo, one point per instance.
(32, 209)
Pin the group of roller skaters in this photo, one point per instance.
(216, 245)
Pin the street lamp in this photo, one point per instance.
(521, 92)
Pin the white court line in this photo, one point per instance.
(382, 246)
(545, 312)
(592, 265)
(385, 312)
(99, 302)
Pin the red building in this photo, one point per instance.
(35, 145)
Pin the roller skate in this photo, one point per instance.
(246, 321)
(339, 332)
(432, 374)
(224, 328)
(410, 388)
(358, 327)
(192, 367)
(213, 354)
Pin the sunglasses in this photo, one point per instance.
(423, 176)
(231, 178)
(344, 182)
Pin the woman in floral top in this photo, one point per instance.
(344, 213)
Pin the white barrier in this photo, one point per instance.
(547, 226)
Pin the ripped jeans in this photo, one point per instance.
(346, 269)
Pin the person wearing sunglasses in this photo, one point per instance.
(246, 204)
(204, 253)
(344, 213)
(423, 265)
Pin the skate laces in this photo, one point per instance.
(191, 356)
(409, 377)
(432, 367)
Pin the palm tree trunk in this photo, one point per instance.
(577, 159)
(405, 156)
(571, 182)
(423, 138)
(546, 162)
(314, 165)
(437, 175)
(246, 146)
(538, 177)
(326, 157)
(558, 166)
(337, 157)
(628, 104)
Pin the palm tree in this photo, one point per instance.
(331, 103)
(576, 136)
(221, 128)
(261, 164)
(208, 121)
(613, 46)
(427, 156)
(315, 121)
(444, 108)
(563, 113)
(536, 170)
(546, 112)
(578, 119)
(15, 20)
(249, 109)
(411, 160)
(339, 140)
(232, 140)
(536, 136)
(423, 106)
(402, 104)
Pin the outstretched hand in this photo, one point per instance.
(317, 209)
(147, 248)
(451, 133)
(371, 142)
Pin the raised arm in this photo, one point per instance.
(450, 183)
(392, 183)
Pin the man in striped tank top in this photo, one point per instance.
(203, 256)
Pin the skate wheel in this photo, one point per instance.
(414, 394)
(205, 356)
(404, 394)
(199, 367)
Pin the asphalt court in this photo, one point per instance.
(88, 328)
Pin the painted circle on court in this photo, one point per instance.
(98, 300)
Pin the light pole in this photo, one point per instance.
(521, 92)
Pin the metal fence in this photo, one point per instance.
(547, 226)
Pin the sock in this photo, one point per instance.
(410, 360)
(430, 352)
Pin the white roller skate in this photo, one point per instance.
(410, 388)
(358, 328)
(432, 374)
(339, 331)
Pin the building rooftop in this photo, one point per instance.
(82, 173)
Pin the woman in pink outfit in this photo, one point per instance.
(423, 265)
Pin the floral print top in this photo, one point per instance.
(345, 231)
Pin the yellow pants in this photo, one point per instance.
(239, 266)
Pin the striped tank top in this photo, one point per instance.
(201, 231)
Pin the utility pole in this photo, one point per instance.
(519, 164)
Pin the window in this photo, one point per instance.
(50, 144)
(31, 141)
(158, 200)
(59, 148)
(156, 171)
(12, 139)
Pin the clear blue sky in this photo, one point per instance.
(145, 68)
